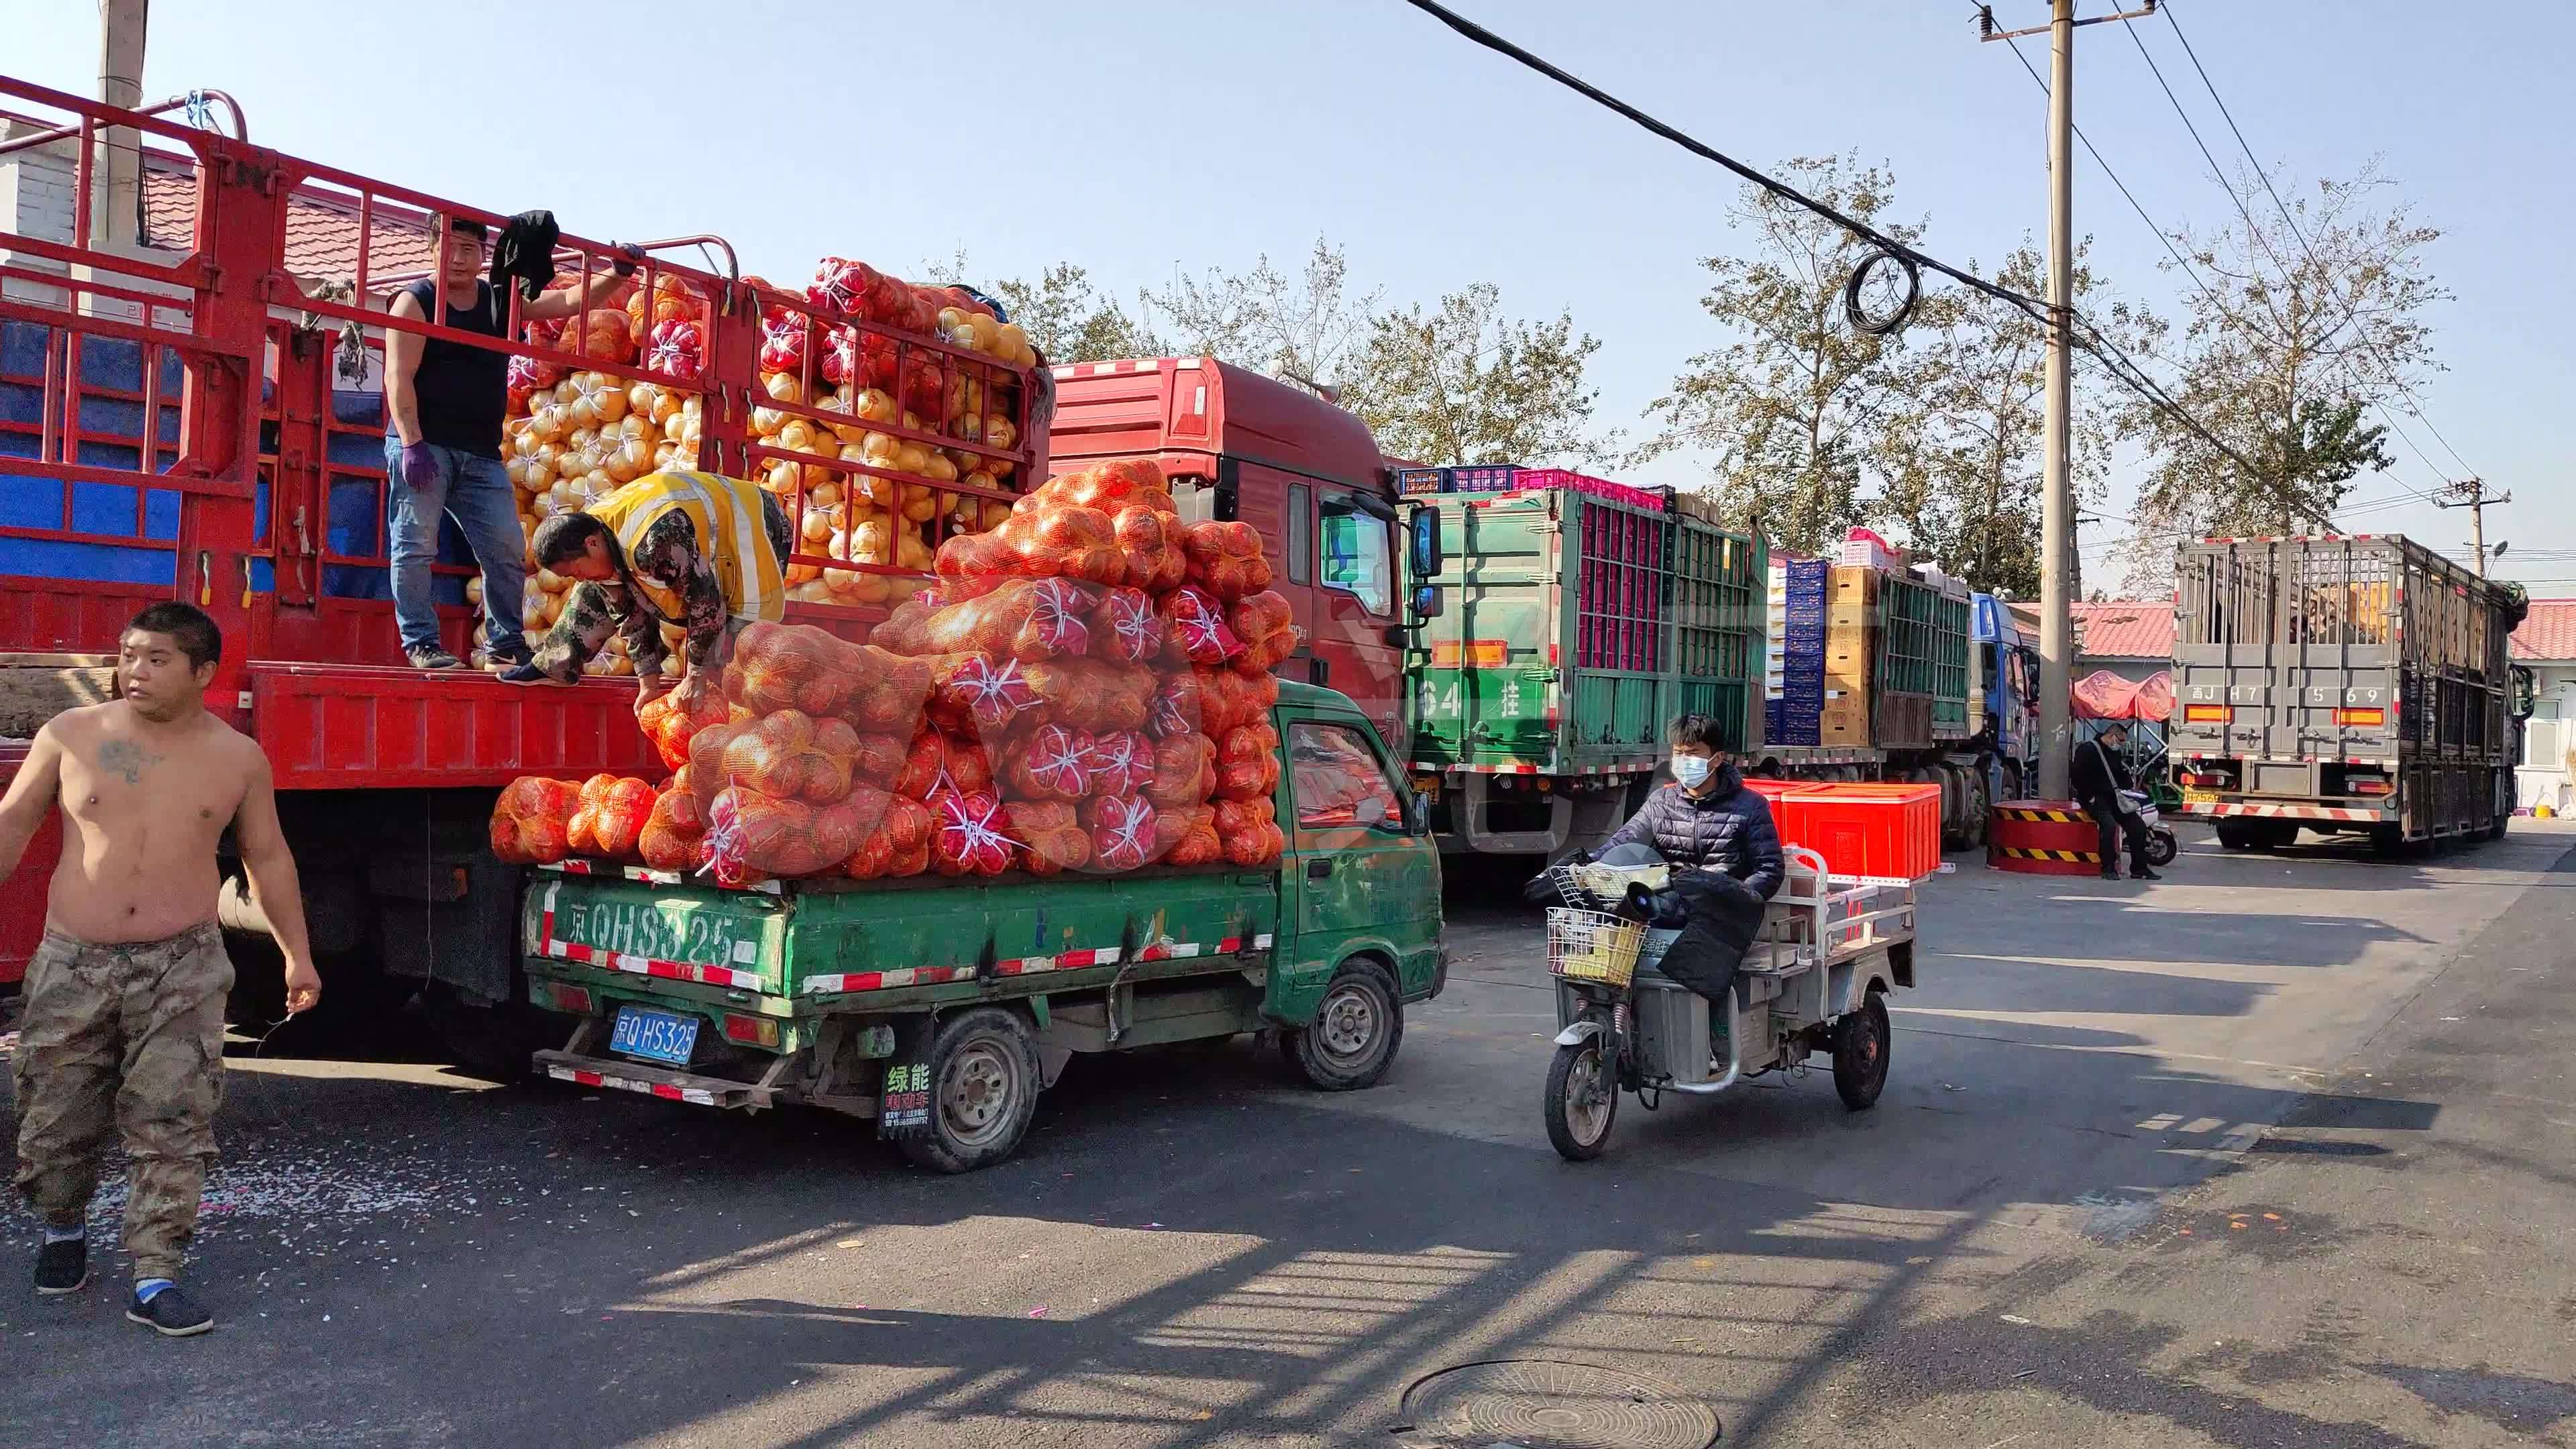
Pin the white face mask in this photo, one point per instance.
(1691, 771)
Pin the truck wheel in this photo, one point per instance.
(1581, 1101)
(2236, 836)
(983, 1090)
(1355, 1033)
(1860, 1053)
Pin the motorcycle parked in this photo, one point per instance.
(2162, 846)
(1814, 982)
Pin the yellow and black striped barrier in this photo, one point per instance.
(2042, 837)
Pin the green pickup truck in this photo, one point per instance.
(940, 1008)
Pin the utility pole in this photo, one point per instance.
(2472, 495)
(2057, 552)
(119, 201)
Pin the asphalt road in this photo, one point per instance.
(2277, 1152)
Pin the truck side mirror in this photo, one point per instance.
(1417, 813)
(1426, 601)
(1424, 536)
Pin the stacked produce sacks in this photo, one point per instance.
(1087, 687)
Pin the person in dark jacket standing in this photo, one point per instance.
(2099, 777)
(444, 403)
(1706, 822)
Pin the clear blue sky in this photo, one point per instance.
(1140, 136)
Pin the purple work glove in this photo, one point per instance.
(419, 468)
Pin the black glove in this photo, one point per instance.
(625, 257)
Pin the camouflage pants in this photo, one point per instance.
(128, 1038)
(587, 623)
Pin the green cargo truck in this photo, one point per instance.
(1568, 628)
(940, 1008)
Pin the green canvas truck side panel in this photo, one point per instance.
(1500, 676)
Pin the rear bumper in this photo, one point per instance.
(2296, 810)
(583, 1070)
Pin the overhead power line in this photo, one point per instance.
(2081, 329)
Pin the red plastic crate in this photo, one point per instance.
(1867, 831)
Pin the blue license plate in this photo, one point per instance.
(661, 1036)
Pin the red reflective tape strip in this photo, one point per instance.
(887, 980)
(665, 1091)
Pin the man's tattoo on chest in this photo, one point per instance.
(127, 759)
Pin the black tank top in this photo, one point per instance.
(462, 391)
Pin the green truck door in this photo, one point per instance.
(1361, 880)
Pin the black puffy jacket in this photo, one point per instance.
(1727, 829)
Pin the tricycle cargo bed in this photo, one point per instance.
(814, 941)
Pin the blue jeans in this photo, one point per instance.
(477, 491)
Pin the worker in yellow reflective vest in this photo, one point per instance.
(704, 553)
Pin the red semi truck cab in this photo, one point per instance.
(1238, 445)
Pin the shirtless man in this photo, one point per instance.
(124, 1022)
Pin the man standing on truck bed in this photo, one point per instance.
(703, 553)
(2099, 777)
(124, 1022)
(444, 403)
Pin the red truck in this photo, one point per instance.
(170, 427)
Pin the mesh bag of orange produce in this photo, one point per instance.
(1247, 763)
(1267, 626)
(970, 834)
(672, 835)
(1108, 486)
(1184, 771)
(532, 821)
(1028, 619)
(608, 818)
(1051, 835)
(1050, 762)
(786, 755)
(1187, 836)
(1225, 558)
(1122, 831)
(1194, 628)
(751, 836)
(670, 729)
(899, 846)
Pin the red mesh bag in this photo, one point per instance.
(1258, 846)
(1184, 771)
(925, 766)
(979, 692)
(969, 769)
(1242, 817)
(1122, 762)
(887, 692)
(1126, 627)
(1109, 487)
(1051, 835)
(1058, 541)
(669, 729)
(531, 822)
(797, 666)
(1245, 743)
(1150, 539)
(610, 818)
(1247, 779)
(1225, 558)
(676, 348)
(905, 631)
(1030, 619)
(1122, 831)
(1267, 626)
(970, 836)
(1093, 694)
(1187, 836)
(1229, 700)
(1194, 628)
(672, 834)
(1050, 763)
(878, 759)
(787, 755)
(1177, 707)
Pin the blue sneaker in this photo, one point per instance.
(171, 1313)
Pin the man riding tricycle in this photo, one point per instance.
(1696, 951)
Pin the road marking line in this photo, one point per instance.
(2204, 1124)
(2160, 1122)
(2245, 1136)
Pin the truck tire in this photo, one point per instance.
(2236, 835)
(1860, 1053)
(1355, 1034)
(983, 1090)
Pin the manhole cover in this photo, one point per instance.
(1536, 1404)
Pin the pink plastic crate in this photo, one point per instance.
(1533, 478)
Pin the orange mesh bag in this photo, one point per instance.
(1187, 836)
(979, 692)
(1093, 694)
(790, 666)
(1056, 541)
(904, 630)
(1242, 817)
(1194, 628)
(1050, 762)
(1126, 627)
(672, 834)
(1268, 628)
(901, 840)
(888, 692)
(1247, 764)
(1051, 835)
(1030, 619)
(531, 822)
(1184, 771)
(1226, 559)
(1151, 540)
(669, 729)
(751, 835)
(609, 821)
(1109, 486)
(925, 766)
(1258, 845)
(969, 768)
(970, 834)
(1122, 831)
(787, 755)
(1230, 700)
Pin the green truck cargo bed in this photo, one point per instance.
(1571, 627)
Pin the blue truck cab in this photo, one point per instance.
(2006, 696)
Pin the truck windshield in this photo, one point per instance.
(1357, 556)
(1339, 779)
